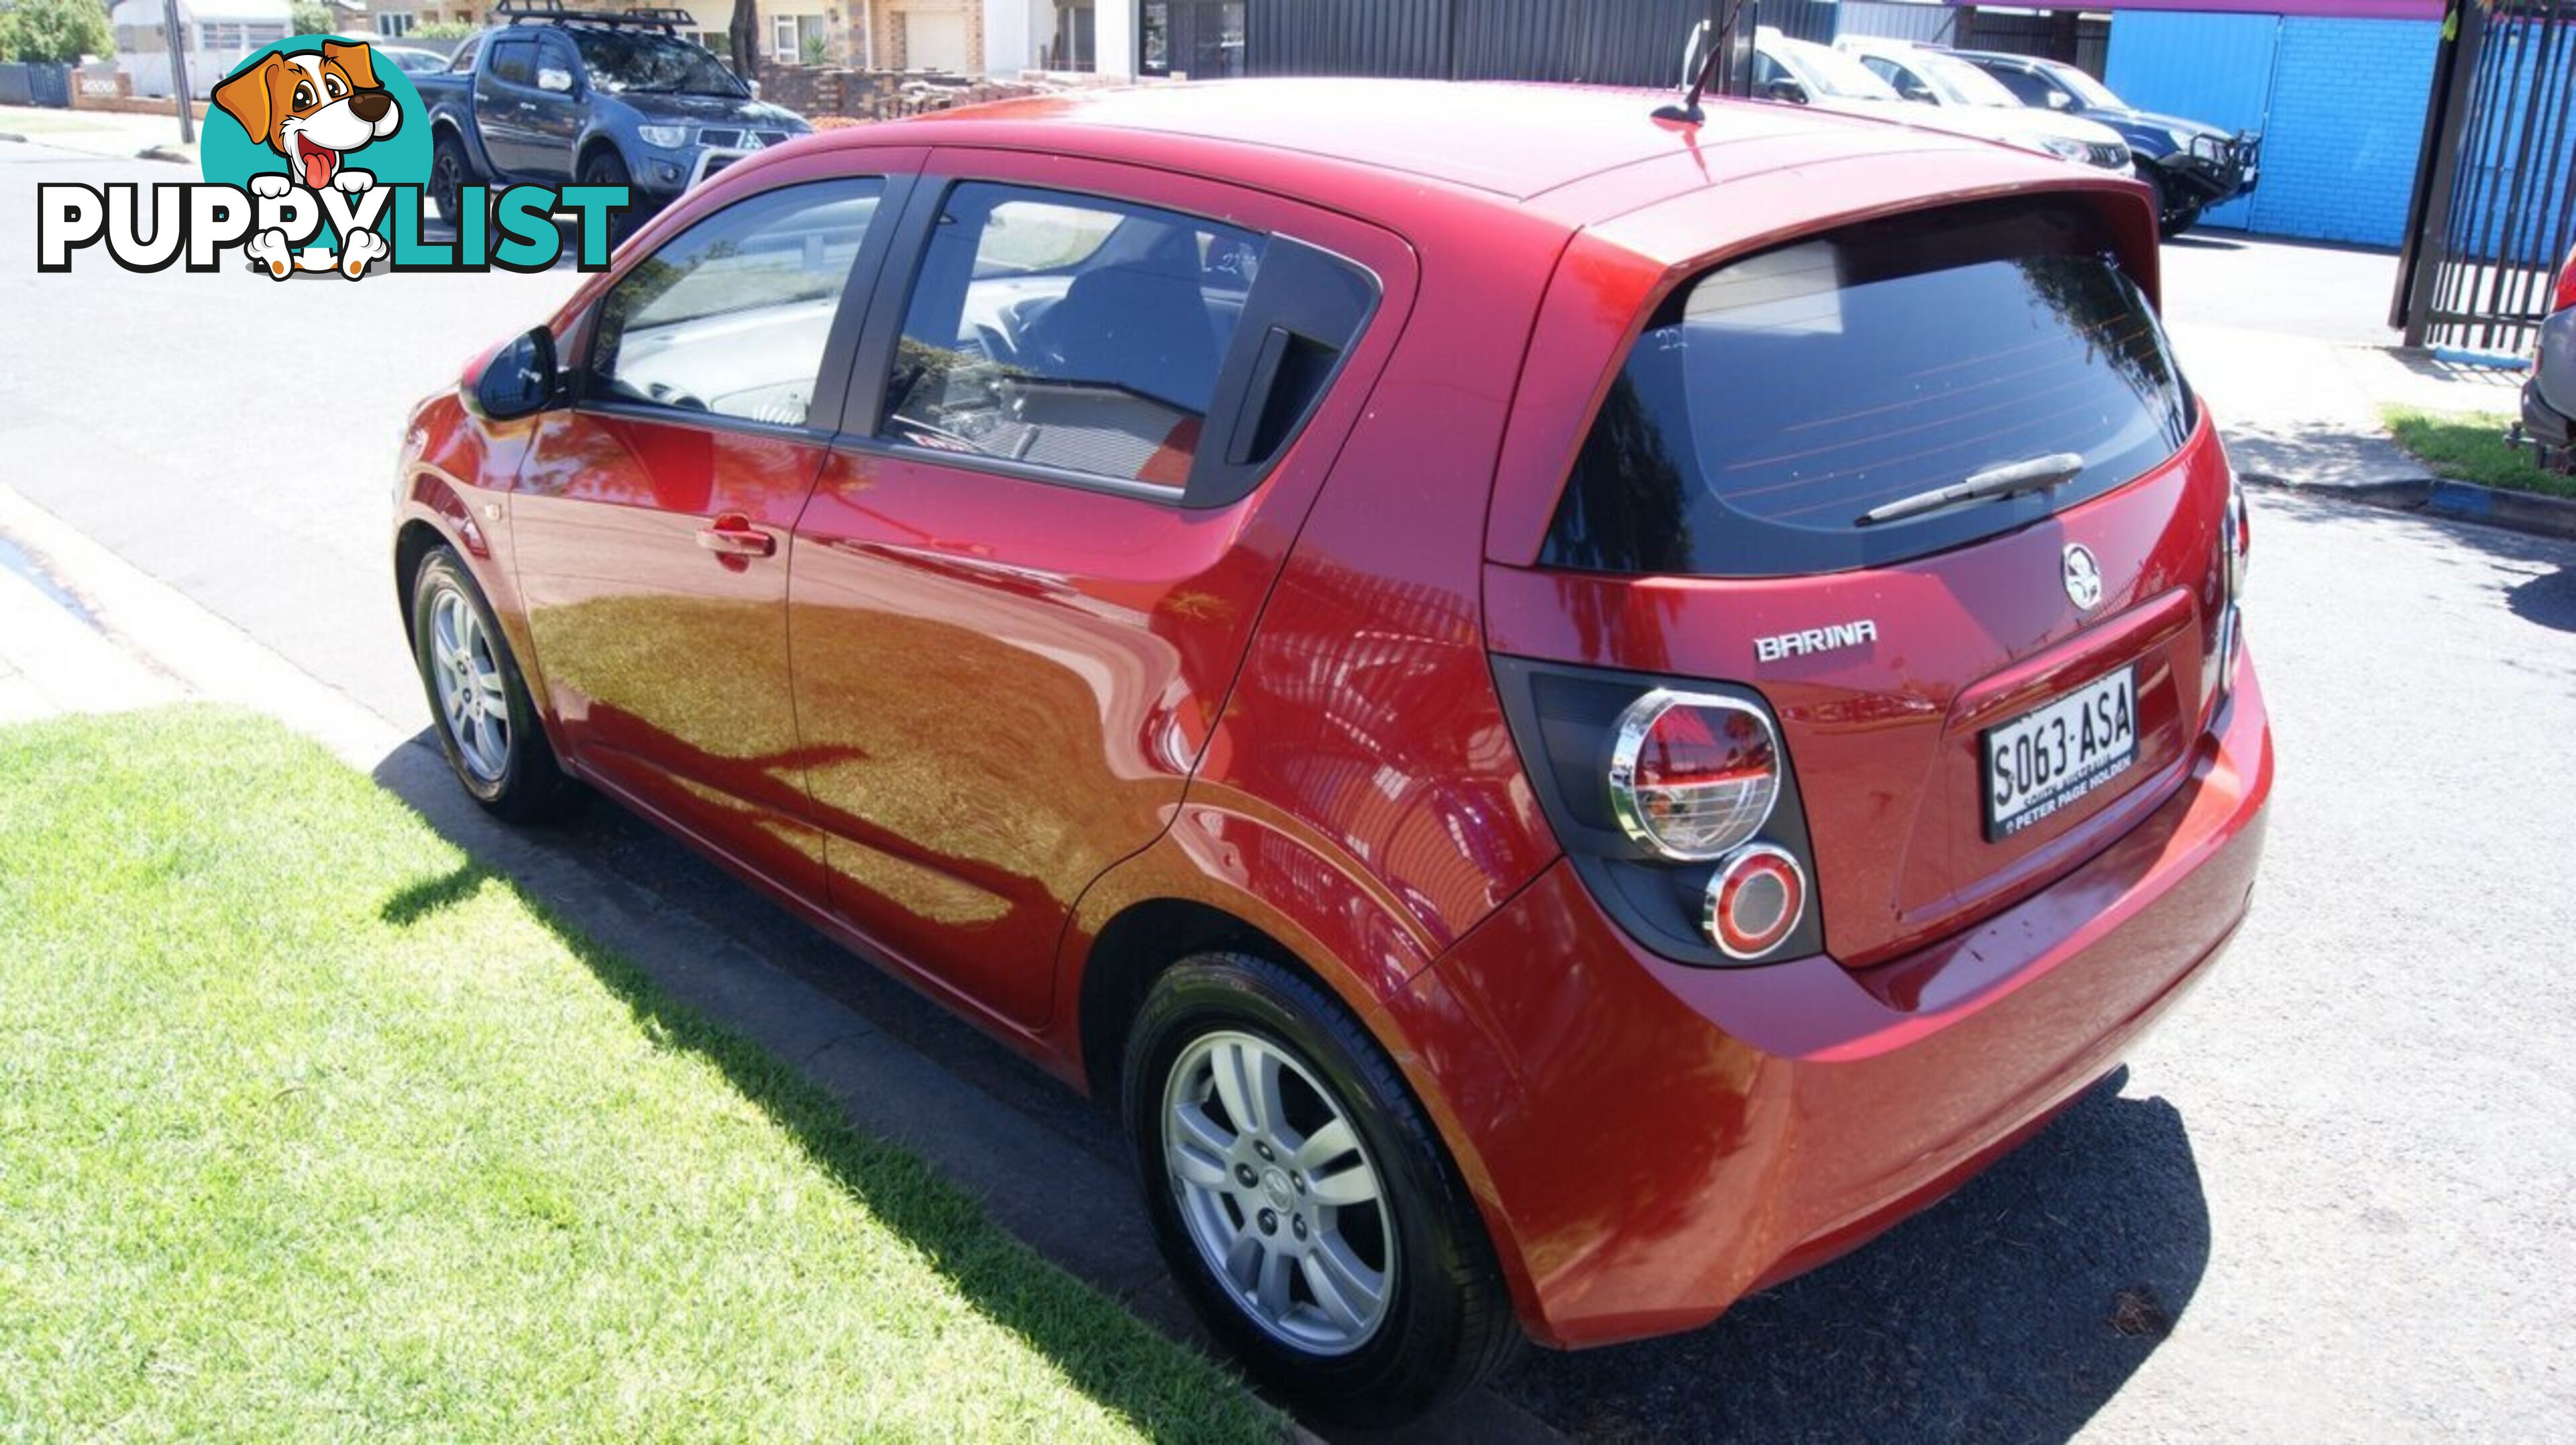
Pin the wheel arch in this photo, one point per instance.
(1176, 899)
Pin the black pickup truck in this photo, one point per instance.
(549, 96)
(2193, 166)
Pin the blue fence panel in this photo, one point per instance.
(2216, 69)
(2347, 122)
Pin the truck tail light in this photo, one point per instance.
(1693, 775)
(2566, 295)
(1677, 805)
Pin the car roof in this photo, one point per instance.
(1514, 141)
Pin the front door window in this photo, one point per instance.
(730, 318)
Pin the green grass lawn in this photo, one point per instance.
(311, 1129)
(2469, 447)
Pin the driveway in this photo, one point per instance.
(2335, 1196)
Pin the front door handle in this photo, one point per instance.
(733, 535)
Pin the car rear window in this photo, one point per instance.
(1774, 400)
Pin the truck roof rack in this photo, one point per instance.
(665, 18)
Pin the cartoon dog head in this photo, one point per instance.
(312, 108)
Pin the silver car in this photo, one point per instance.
(1938, 78)
(2549, 398)
(1803, 72)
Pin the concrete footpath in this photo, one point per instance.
(119, 135)
(2290, 345)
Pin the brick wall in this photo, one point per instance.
(2340, 104)
(2346, 123)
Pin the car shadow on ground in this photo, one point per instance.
(2011, 1311)
(2534, 577)
(717, 1004)
(2014, 1309)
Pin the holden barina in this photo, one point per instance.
(1567, 713)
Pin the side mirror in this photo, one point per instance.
(1919, 93)
(755, 88)
(521, 379)
(558, 81)
(2060, 100)
(1786, 89)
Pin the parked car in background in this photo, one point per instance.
(1571, 713)
(1929, 76)
(1805, 73)
(2193, 166)
(410, 59)
(2549, 398)
(552, 96)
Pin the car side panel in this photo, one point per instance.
(1002, 683)
(1366, 717)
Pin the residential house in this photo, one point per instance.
(215, 36)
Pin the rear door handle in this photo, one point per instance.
(733, 535)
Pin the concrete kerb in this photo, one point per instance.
(2526, 512)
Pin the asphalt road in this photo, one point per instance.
(2334, 1197)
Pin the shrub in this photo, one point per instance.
(55, 32)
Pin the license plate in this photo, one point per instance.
(2047, 758)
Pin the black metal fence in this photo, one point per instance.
(1602, 42)
(2494, 210)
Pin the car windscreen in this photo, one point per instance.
(2092, 92)
(1963, 83)
(633, 62)
(1774, 401)
(1827, 71)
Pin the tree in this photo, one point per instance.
(309, 17)
(56, 32)
(744, 35)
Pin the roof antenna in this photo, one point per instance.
(1689, 111)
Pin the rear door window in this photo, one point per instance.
(1777, 399)
(1069, 332)
(515, 61)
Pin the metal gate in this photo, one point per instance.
(2494, 210)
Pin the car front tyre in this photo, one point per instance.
(1303, 1199)
(487, 723)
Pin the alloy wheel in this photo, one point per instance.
(1278, 1192)
(473, 701)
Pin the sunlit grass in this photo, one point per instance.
(2470, 447)
(310, 1128)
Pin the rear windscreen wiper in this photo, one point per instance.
(2036, 474)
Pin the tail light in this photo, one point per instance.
(1756, 896)
(1692, 775)
(1676, 804)
(2566, 295)
(2235, 552)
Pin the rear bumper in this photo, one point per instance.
(2543, 423)
(1672, 1138)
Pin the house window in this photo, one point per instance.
(791, 36)
(393, 27)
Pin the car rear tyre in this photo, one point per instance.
(449, 175)
(1303, 1199)
(487, 723)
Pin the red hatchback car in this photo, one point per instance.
(1573, 713)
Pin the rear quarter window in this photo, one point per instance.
(1774, 400)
